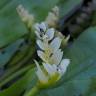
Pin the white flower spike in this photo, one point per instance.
(27, 18)
(53, 17)
(54, 66)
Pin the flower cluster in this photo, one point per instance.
(54, 66)
(49, 42)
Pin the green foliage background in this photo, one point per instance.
(79, 80)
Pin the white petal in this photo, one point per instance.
(54, 67)
(41, 44)
(55, 44)
(50, 33)
(49, 68)
(40, 74)
(42, 55)
(56, 57)
(60, 55)
(37, 27)
(63, 66)
(43, 26)
(37, 34)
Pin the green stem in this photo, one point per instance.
(10, 71)
(33, 92)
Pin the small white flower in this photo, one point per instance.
(51, 53)
(42, 26)
(40, 74)
(43, 32)
(54, 72)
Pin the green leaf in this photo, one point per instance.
(19, 86)
(82, 52)
(7, 53)
(11, 27)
